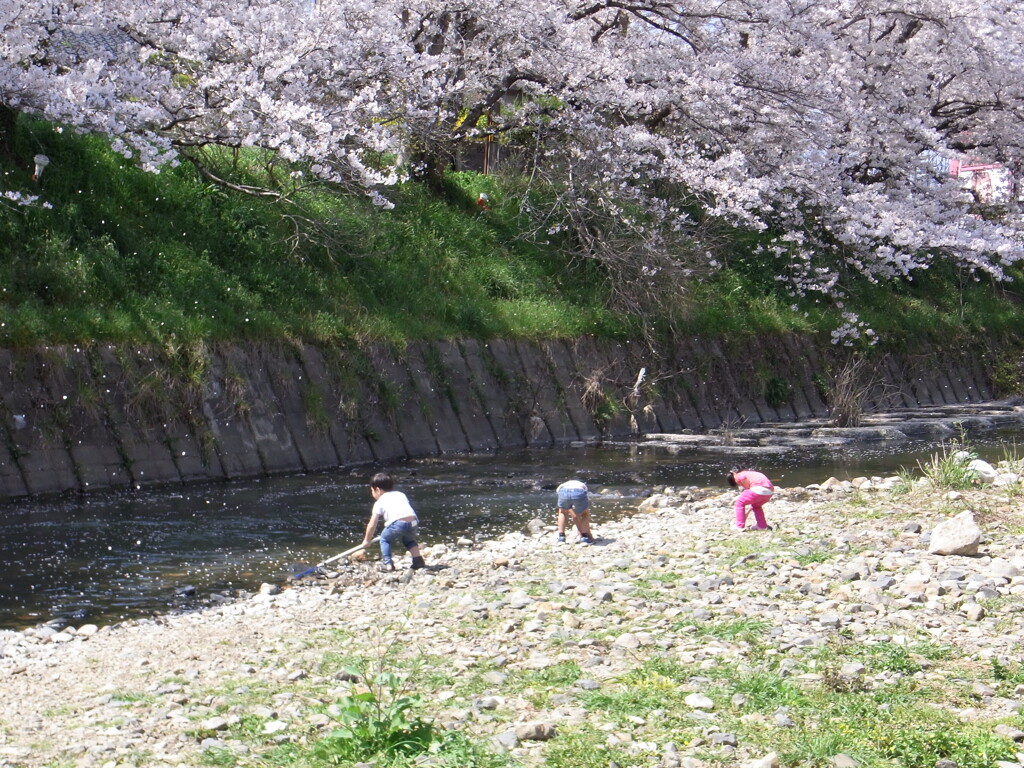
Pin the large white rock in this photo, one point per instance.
(957, 536)
(984, 472)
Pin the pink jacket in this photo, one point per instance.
(749, 478)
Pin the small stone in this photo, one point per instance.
(627, 640)
(494, 677)
(699, 701)
(535, 731)
(974, 612)
(214, 724)
(771, 760)
(783, 720)
(979, 688)
(1009, 732)
(506, 741)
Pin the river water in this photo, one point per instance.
(108, 558)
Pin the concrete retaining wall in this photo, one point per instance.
(77, 420)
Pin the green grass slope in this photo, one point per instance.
(121, 255)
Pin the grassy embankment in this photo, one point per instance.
(127, 256)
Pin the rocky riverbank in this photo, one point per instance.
(530, 647)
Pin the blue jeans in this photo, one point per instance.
(575, 499)
(400, 530)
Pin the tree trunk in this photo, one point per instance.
(8, 131)
(432, 165)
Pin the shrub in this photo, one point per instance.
(377, 723)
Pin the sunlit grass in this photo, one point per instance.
(584, 747)
(746, 629)
(126, 256)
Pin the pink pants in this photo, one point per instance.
(756, 502)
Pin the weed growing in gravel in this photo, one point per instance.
(935, 651)
(998, 604)
(248, 729)
(535, 589)
(1013, 464)
(662, 667)
(376, 721)
(740, 545)
(649, 589)
(583, 747)
(482, 678)
(879, 657)
(667, 577)
(133, 697)
(886, 657)
(637, 695)
(455, 750)
(742, 629)
(1007, 675)
(174, 680)
(433, 673)
(543, 683)
(284, 754)
(242, 695)
(877, 727)
(857, 499)
(59, 711)
(814, 556)
(967, 746)
(947, 468)
(332, 662)
(905, 483)
(818, 746)
(764, 691)
(219, 756)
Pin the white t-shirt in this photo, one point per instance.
(393, 505)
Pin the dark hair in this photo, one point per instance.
(731, 477)
(383, 481)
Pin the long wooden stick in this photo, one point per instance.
(346, 553)
(338, 556)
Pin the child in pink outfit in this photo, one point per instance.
(757, 491)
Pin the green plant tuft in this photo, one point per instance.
(377, 723)
(947, 469)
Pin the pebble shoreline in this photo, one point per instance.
(146, 693)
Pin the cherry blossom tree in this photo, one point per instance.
(824, 126)
(819, 123)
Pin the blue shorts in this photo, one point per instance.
(574, 499)
(398, 531)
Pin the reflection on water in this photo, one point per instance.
(107, 558)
